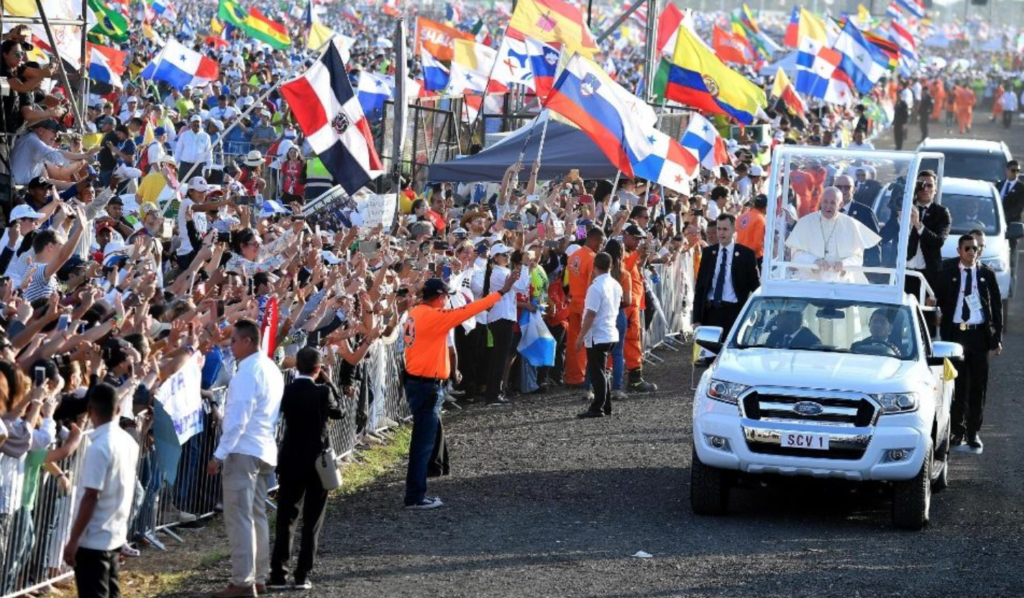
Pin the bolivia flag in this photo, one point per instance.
(255, 24)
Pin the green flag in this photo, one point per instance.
(229, 12)
(660, 81)
(110, 22)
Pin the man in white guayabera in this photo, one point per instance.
(830, 240)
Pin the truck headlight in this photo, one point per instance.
(902, 402)
(726, 392)
(998, 263)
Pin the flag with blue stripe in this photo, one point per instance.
(862, 61)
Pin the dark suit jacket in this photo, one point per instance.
(936, 223)
(803, 338)
(305, 407)
(745, 278)
(1013, 202)
(948, 291)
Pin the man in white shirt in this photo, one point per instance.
(1009, 101)
(599, 334)
(105, 493)
(193, 147)
(859, 143)
(247, 452)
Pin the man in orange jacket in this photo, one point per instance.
(579, 268)
(633, 348)
(427, 368)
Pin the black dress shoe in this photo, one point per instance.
(589, 414)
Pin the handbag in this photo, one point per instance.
(327, 461)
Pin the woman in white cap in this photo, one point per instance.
(501, 318)
(192, 222)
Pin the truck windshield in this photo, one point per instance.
(829, 325)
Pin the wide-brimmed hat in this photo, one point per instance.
(253, 158)
(469, 216)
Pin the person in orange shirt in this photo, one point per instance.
(427, 368)
(964, 107)
(579, 268)
(632, 236)
(950, 106)
(939, 94)
(750, 227)
(997, 104)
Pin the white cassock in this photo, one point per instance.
(841, 239)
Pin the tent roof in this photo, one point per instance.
(565, 148)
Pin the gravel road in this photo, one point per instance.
(543, 504)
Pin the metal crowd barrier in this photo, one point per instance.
(374, 402)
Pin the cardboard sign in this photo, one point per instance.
(181, 399)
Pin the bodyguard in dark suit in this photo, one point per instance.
(861, 213)
(790, 332)
(728, 275)
(1011, 189)
(972, 315)
(307, 404)
(929, 227)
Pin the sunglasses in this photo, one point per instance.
(972, 249)
(844, 186)
(927, 185)
(1015, 170)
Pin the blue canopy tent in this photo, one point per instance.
(565, 148)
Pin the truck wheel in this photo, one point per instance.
(912, 498)
(940, 481)
(709, 488)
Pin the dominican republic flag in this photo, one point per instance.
(864, 62)
(100, 68)
(328, 111)
(374, 90)
(914, 7)
(703, 141)
(543, 60)
(179, 66)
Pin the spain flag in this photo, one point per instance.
(554, 21)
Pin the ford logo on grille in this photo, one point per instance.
(808, 408)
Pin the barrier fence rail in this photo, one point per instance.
(33, 534)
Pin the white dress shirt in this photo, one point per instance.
(1009, 101)
(194, 147)
(109, 468)
(728, 293)
(251, 409)
(604, 295)
(505, 309)
(916, 262)
(1007, 187)
(977, 317)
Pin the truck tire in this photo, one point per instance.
(940, 481)
(911, 500)
(709, 488)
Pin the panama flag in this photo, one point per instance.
(328, 111)
(543, 64)
(668, 165)
(435, 73)
(472, 65)
(180, 66)
(374, 90)
(102, 69)
(618, 122)
(703, 141)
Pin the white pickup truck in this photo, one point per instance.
(826, 378)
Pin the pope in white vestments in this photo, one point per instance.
(831, 240)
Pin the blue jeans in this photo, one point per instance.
(425, 400)
(618, 351)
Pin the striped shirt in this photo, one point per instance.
(41, 285)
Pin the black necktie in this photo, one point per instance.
(965, 313)
(720, 281)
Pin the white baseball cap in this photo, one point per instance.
(24, 211)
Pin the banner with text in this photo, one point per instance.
(181, 399)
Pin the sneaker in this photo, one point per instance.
(302, 584)
(619, 395)
(643, 386)
(589, 396)
(128, 551)
(180, 516)
(425, 504)
(501, 400)
(975, 446)
(588, 414)
(277, 583)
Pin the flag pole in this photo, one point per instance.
(79, 123)
(220, 140)
(401, 107)
(483, 103)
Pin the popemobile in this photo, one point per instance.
(829, 371)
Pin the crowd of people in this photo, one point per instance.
(181, 229)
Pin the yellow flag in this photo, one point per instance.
(864, 16)
(696, 352)
(319, 34)
(148, 137)
(91, 140)
(949, 372)
(20, 8)
(215, 26)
